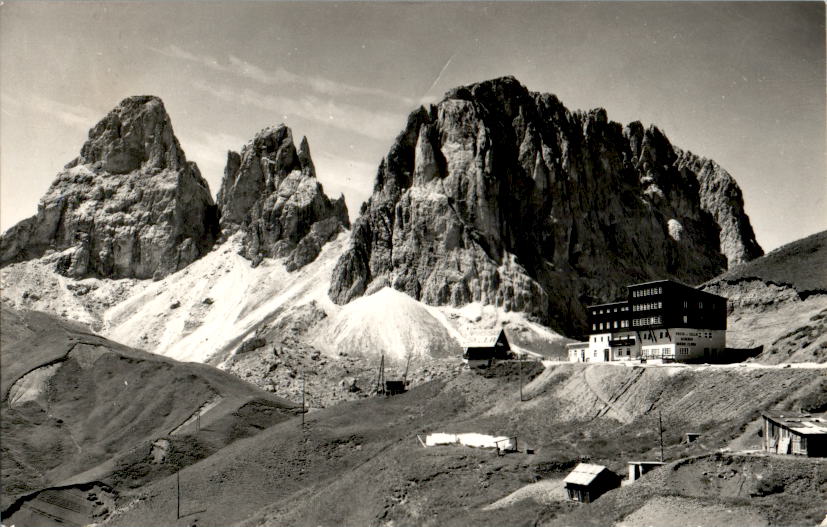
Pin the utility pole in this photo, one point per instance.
(380, 383)
(660, 428)
(178, 495)
(303, 409)
(521, 378)
(407, 366)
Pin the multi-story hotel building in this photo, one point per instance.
(661, 320)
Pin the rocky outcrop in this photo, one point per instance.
(270, 193)
(721, 196)
(130, 205)
(503, 196)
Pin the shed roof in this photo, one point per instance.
(482, 339)
(804, 424)
(584, 474)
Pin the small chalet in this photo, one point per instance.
(482, 349)
(798, 434)
(588, 482)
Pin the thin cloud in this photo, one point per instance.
(278, 76)
(354, 119)
(75, 116)
(175, 52)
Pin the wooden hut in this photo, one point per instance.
(482, 349)
(588, 482)
(797, 434)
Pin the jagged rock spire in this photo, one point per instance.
(271, 194)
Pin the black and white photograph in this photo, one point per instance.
(413, 264)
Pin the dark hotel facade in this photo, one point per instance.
(661, 320)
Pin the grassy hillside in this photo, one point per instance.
(78, 408)
(95, 431)
(360, 463)
(779, 301)
(713, 490)
(801, 265)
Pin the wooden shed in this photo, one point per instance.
(797, 434)
(482, 349)
(588, 482)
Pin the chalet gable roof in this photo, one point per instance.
(483, 339)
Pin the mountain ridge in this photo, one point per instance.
(501, 195)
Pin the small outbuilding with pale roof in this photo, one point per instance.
(587, 482)
(798, 434)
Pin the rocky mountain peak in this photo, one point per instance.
(135, 134)
(130, 205)
(500, 195)
(270, 193)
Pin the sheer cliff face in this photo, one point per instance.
(130, 205)
(271, 194)
(502, 196)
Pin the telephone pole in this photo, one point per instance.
(178, 495)
(380, 381)
(521, 378)
(660, 429)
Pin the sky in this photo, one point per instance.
(741, 83)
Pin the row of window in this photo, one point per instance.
(648, 291)
(646, 307)
(700, 334)
(646, 321)
(658, 352)
(652, 336)
(610, 325)
(609, 310)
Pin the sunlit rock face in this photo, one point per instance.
(503, 196)
(270, 192)
(130, 205)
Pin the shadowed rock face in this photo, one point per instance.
(503, 196)
(130, 205)
(271, 194)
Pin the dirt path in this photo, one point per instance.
(544, 492)
(609, 402)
